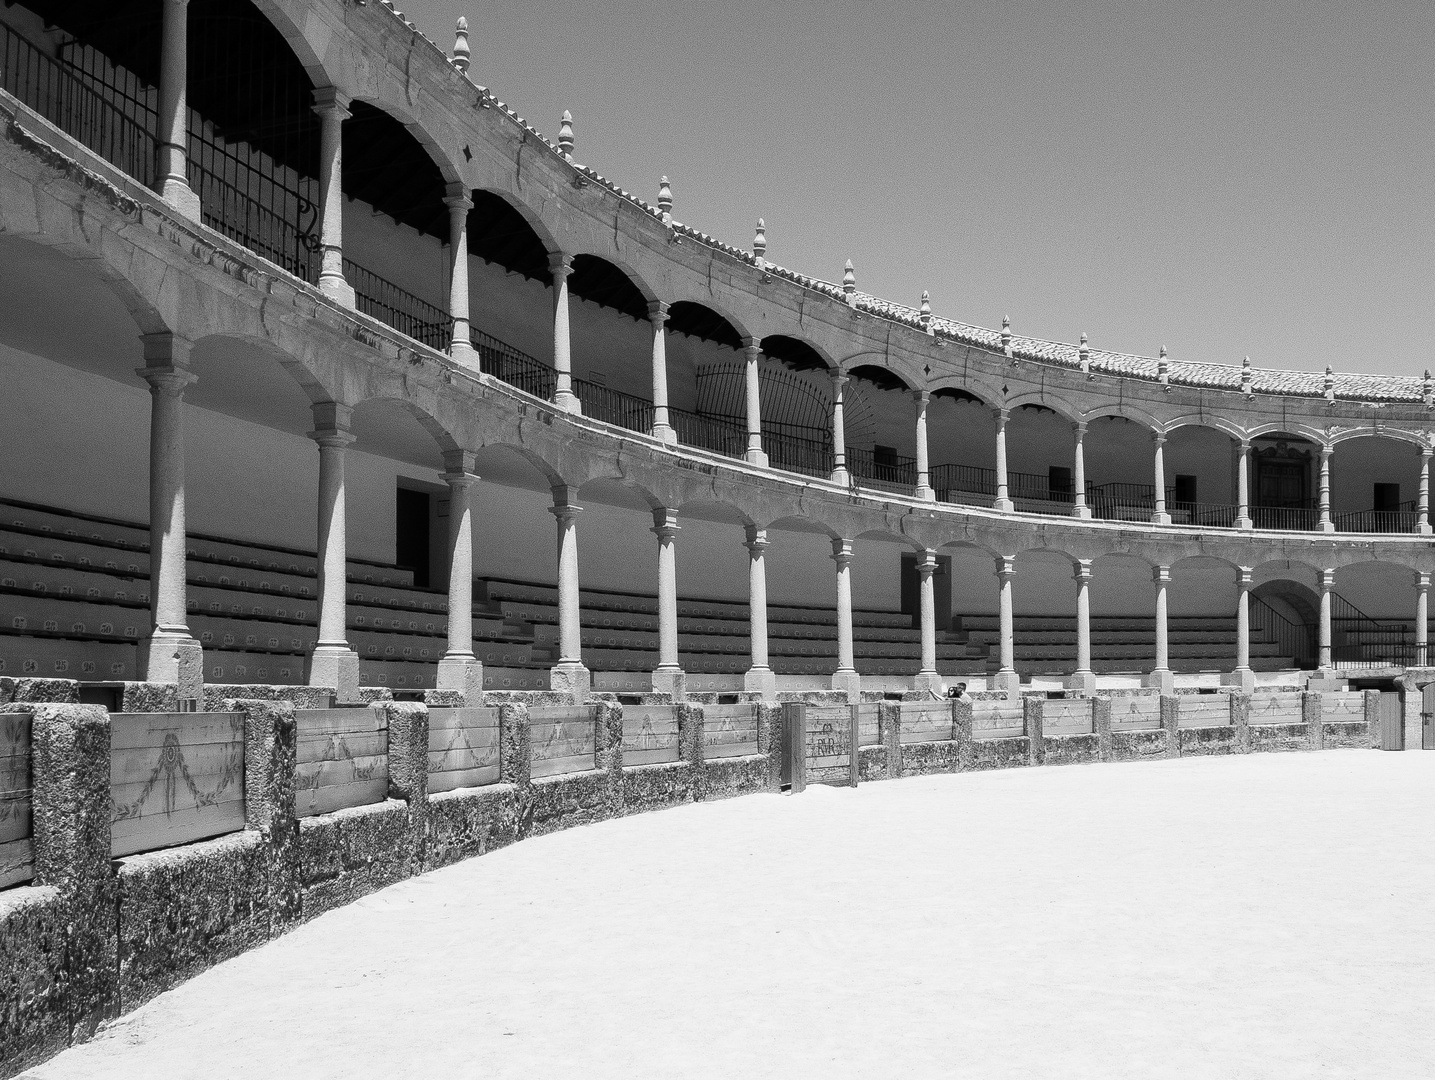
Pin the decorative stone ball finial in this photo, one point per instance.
(759, 239)
(849, 279)
(1006, 334)
(1084, 354)
(1163, 369)
(665, 199)
(924, 313)
(1246, 377)
(1426, 390)
(565, 134)
(460, 56)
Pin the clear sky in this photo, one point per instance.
(1222, 177)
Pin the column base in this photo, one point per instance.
(925, 494)
(1243, 679)
(841, 476)
(1424, 530)
(181, 197)
(1327, 527)
(1245, 523)
(571, 678)
(1084, 682)
(757, 457)
(665, 434)
(1007, 680)
(463, 674)
(671, 681)
(1162, 679)
(338, 290)
(850, 683)
(169, 656)
(1162, 518)
(929, 682)
(1005, 506)
(463, 352)
(336, 666)
(1082, 512)
(760, 681)
(568, 402)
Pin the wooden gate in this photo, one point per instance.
(1392, 721)
(1427, 713)
(819, 745)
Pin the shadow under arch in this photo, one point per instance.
(717, 512)
(605, 283)
(513, 466)
(251, 379)
(618, 491)
(798, 523)
(699, 319)
(398, 429)
(506, 232)
(1289, 611)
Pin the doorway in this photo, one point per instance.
(412, 533)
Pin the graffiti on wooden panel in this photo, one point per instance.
(475, 742)
(729, 730)
(1135, 712)
(1066, 716)
(1205, 710)
(172, 785)
(565, 739)
(1275, 709)
(1343, 707)
(14, 775)
(997, 719)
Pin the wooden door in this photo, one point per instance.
(1427, 714)
(1392, 721)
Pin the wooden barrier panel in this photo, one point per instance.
(342, 760)
(565, 739)
(997, 718)
(729, 730)
(926, 721)
(650, 734)
(17, 856)
(463, 748)
(831, 756)
(1342, 707)
(1135, 712)
(174, 778)
(867, 733)
(1066, 716)
(1205, 710)
(1276, 709)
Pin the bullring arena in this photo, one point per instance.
(384, 487)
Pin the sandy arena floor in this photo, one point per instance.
(1262, 917)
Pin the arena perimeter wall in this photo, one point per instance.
(95, 936)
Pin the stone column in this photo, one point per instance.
(333, 110)
(1326, 524)
(1422, 524)
(1422, 620)
(1327, 586)
(460, 669)
(668, 678)
(927, 678)
(561, 266)
(1243, 488)
(173, 120)
(839, 431)
(1079, 508)
(459, 204)
(1003, 497)
(752, 353)
(170, 654)
(1159, 515)
(662, 428)
(924, 482)
(1007, 678)
(568, 676)
(1083, 679)
(845, 677)
(1242, 677)
(333, 662)
(1161, 675)
(759, 678)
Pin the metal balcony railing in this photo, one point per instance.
(518, 369)
(1301, 518)
(381, 299)
(1400, 519)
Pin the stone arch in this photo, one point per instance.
(797, 352)
(624, 491)
(511, 465)
(1042, 399)
(290, 18)
(738, 328)
(611, 282)
(1206, 420)
(499, 214)
(375, 423)
(801, 523)
(1123, 411)
(716, 510)
(246, 368)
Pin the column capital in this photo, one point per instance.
(560, 262)
(1327, 580)
(665, 523)
(459, 463)
(840, 378)
(165, 349)
(750, 344)
(1159, 438)
(458, 204)
(1080, 427)
(1002, 414)
(842, 552)
(1422, 581)
(167, 378)
(1006, 567)
(757, 541)
(927, 562)
(657, 311)
(1427, 450)
(1326, 450)
(921, 397)
(1243, 577)
(332, 438)
(1081, 570)
(1245, 446)
(564, 508)
(331, 415)
(330, 101)
(1161, 575)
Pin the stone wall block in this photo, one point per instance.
(270, 745)
(1032, 708)
(769, 741)
(608, 726)
(150, 697)
(889, 735)
(408, 726)
(1101, 725)
(690, 746)
(37, 691)
(1310, 711)
(962, 735)
(1372, 717)
(71, 829)
(1171, 723)
(1241, 721)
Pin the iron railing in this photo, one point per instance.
(795, 453)
(1208, 515)
(1294, 639)
(1286, 518)
(1403, 518)
(518, 369)
(720, 434)
(381, 299)
(614, 407)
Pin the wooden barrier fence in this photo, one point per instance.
(1136, 712)
(342, 760)
(1066, 716)
(922, 721)
(463, 748)
(1205, 710)
(650, 734)
(997, 718)
(729, 730)
(564, 739)
(17, 856)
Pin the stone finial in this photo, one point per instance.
(1246, 377)
(460, 56)
(665, 199)
(924, 313)
(1084, 354)
(1006, 334)
(1425, 389)
(849, 281)
(565, 134)
(1329, 384)
(759, 241)
(1163, 369)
